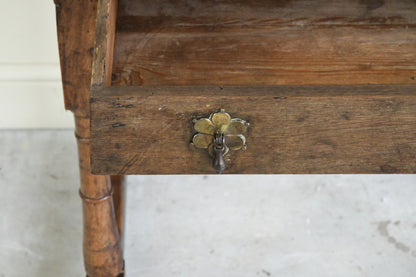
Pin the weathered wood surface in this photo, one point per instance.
(104, 43)
(76, 34)
(102, 222)
(303, 129)
(101, 239)
(265, 42)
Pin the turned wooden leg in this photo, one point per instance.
(101, 242)
(117, 181)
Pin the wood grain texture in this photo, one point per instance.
(293, 129)
(265, 42)
(101, 240)
(76, 33)
(104, 43)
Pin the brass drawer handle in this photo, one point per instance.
(220, 133)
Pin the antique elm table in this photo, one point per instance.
(203, 87)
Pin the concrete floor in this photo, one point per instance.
(200, 226)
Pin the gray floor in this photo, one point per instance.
(242, 226)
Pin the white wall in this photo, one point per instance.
(30, 83)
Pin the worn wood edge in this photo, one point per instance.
(104, 43)
(275, 91)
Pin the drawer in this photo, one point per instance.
(331, 91)
(321, 129)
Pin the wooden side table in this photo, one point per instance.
(240, 86)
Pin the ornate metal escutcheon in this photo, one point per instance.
(219, 134)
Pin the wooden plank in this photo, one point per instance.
(293, 129)
(104, 43)
(265, 42)
(76, 32)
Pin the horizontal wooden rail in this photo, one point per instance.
(293, 129)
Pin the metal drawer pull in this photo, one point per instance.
(220, 133)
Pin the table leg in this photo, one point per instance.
(101, 242)
(118, 183)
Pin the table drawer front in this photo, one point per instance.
(311, 129)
